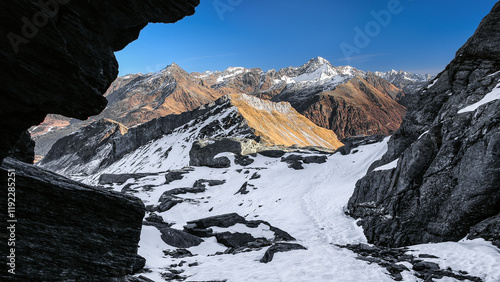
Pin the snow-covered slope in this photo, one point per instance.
(308, 204)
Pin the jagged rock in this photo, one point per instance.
(278, 248)
(448, 169)
(390, 259)
(293, 161)
(139, 278)
(361, 106)
(67, 230)
(224, 221)
(175, 238)
(23, 149)
(203, 152)
(200, 232)
(425, 265)
(356, 141)
(153, 217)
(234, 240)
(315, 159)
(243, 160)
(174, 175)
(488, 229)
(78, 43)
(243, 189)
(168, 199)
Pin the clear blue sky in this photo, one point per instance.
(420, 36)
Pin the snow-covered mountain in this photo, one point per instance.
(93, 148)
(138, 98)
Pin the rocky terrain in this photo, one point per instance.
(227, 209)
(439, 178)
(93, 148)
(65, 230)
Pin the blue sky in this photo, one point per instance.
(413, 35)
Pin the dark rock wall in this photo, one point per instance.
(66, 230)
(446, 181)
(58, 55)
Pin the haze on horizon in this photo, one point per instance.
(419, 36)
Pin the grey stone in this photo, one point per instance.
(68, 230)
(447, 176)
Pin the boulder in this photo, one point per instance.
(175, 238)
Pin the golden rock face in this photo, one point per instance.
(280, 124)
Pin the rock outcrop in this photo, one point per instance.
(58, 56)
(446, 178)
(64, 230)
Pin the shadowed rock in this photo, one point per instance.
(67, 230)
(68, 57)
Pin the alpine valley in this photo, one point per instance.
(309, 173)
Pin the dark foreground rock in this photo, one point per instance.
(448, 169)
(353, 142)
(66, 230)
(65, 50)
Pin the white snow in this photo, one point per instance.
(478, 257)
(490, 97)
(388, 166)
(423, 134)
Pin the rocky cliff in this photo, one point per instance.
(439, 179)
(58, 56)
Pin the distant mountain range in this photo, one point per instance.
(346, 100)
